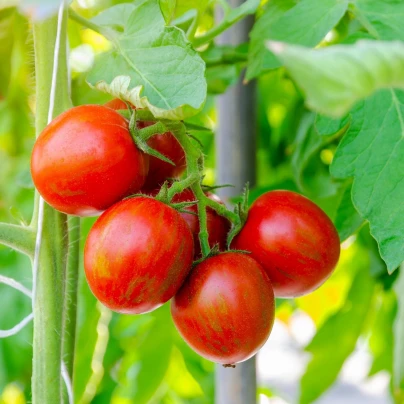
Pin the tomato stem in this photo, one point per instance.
(104, 31)
(19, 238)
(180, 186)
(195, 166)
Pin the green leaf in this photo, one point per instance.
(167, 8)
(115, 17)
(381, 340)
(335, 78)
(311, 175)
(94, 348)
(342, 328)
(305, 23)
(326, 126)
(383, 19)
(219, 78)
(201, 369)
(85, 341)
(152, 66)
(144, 366)
(372, 152)
(347, 219)
(398, 357)
(224, 65)
(259, 59)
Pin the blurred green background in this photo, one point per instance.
(347, 324)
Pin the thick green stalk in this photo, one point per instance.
(50, 280)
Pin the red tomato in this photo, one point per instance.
(137, 255)
(85, 160)
(167, 145)
(225, 309)
(293, 239)
(218, 226)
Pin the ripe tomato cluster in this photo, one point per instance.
(142, 252)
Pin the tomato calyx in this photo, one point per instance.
(178, 206)
(241, 211)
(140, 136)
(215, 250)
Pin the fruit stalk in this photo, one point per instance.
(193, 180)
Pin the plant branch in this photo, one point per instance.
(18, 238)
(194, 162)
(104, 31)
(226, 23)
(193, 156)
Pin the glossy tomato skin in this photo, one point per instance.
(225, 309)
(167, 145)
(294, 241)
(85, 160)
(218, 226)
(137, 255)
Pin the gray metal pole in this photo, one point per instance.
(236, 164)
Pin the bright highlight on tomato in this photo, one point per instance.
(85, 160)
(293, 239)
(137, 255)
(225, 309)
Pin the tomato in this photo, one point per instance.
(225, 309)
(218, 226)
(167, 145)
(85, 160)
(293, 239)
(137, 255)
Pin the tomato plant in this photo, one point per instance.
(293, 239)
(225, 309)
(85, 160)
(301, 99)
(137, 255)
